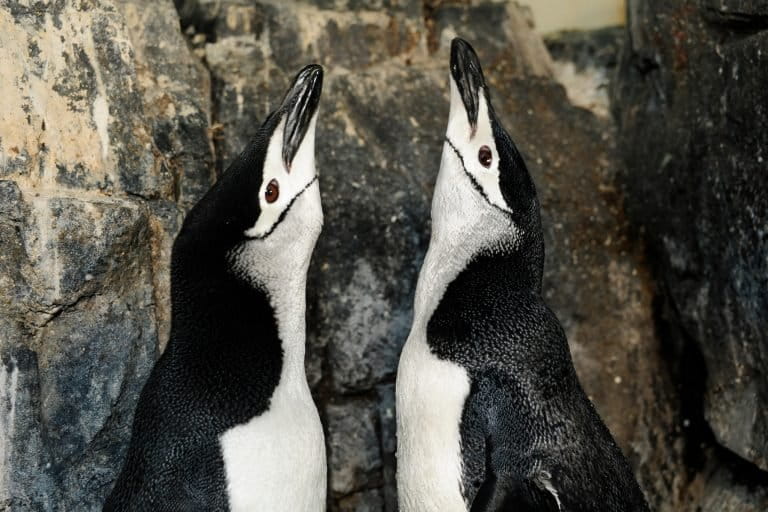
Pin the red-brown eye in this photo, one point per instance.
(272, 192)
(485, 156)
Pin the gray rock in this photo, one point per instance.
(385, 396)
(512, 48)
(723, 493)
(354, 458)
(366, 501)
(585, 62)
(365, 335)
(87, 342)
(691, 103)
(104, 143)
(24, 483)
(176, 100)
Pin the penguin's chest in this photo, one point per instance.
(431, 394)
(276, 461)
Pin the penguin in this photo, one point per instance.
(490, 413)
(226, 420)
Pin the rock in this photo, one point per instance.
(584, 62)
(24, 485)
(722, 486)
(368, 501)
(176, 97)
(723, 493)
(513, 48)
(354, 459)
(352, 355)
(89, 337)
(691, 104)
(104, 143)
(199, 14)
(385, 396)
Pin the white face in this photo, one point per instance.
(469, 145)
(291, 182)
(280, 243)
(465, 219)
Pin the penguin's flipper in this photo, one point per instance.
(507, 495)
(512, 480)
(504, 491)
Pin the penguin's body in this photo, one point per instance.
(226, 420)
(490, 413)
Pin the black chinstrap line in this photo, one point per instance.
(284, 212)
(474, 182)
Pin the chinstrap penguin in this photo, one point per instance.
(226, 420)
(490, 413)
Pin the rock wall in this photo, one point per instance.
(691, 103)
(116, 115)
(104, 120)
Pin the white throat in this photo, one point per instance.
(463, 224)
(279, 264)
(276, 461)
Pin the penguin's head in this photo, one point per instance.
(263, 216)
(484, 196)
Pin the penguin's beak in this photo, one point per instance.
(299, 107)
(468, 77)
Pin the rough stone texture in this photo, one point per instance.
(720, 491)
(584, 63)
(103, 143)
(692, 105)
(369, 501)
(109, 124)
(355, 453)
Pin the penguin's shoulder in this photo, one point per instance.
(499, 326)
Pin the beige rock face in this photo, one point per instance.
(103, 144)
(52, 129)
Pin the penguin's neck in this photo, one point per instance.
(288, 301)
(513, 270)
(215, 310)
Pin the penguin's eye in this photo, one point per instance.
(272, 192)
(485, 156)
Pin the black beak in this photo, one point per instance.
(468, 75)
(299, 106)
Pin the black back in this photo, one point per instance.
(223, 360)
